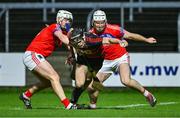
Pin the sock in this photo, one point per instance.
(66, 102)
(27, 94)
(96, 79)
(146, 93)
(92, 105)
(76, 94)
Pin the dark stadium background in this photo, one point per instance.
(160, 23)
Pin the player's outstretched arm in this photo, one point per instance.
(106, 40)
(138, 37)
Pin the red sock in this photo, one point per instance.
(65, 102)
(28, 94)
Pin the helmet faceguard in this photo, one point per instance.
(63, 14)
(77, 37)
(99, 16)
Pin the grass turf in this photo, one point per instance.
(116, 102)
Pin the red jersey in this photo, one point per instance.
(112, 51)
(45, 41)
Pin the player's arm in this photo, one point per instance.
(123, 43)
(70, 33)
(62, 37)
(71, 56)
(105, 40)
(138, 37)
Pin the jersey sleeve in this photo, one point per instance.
(57, 28)
(122, 31)
(116, 30)
(92, 39)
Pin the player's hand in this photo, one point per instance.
(106, 40)
(69, 33)
(123, 43)
(70, 59)
(151, 40)
(81, 44)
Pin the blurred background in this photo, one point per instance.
(21, 20)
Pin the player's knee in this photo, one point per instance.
(125, 81)
(54, 77)
(79, 84)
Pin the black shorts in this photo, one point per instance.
(94, 64)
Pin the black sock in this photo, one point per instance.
(76, 94)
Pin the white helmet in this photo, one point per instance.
(64, 14)
(99, 15)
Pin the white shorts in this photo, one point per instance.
(32, 59)
(111, 66)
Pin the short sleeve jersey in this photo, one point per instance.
(112, 51)
(45, 41)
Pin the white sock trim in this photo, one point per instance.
(26, 96)
(92, 106)
(146, 93)
(69, 106)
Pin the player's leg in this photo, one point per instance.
(95, 86)
(44, 83)
(125, 77)
(93, 96)
(80, 78)
(46, 70)
(26, 96)
(93, 93)
(36, 63)
(80, 75)
(101, 76)
(105, 71)
(31, 60)
(124, 73)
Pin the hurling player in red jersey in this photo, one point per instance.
(35, 58)
(116, 58)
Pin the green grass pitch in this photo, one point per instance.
(116, 102)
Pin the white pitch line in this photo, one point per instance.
(41, 107)
(137, 105)
(102, 107)
(167, 103)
